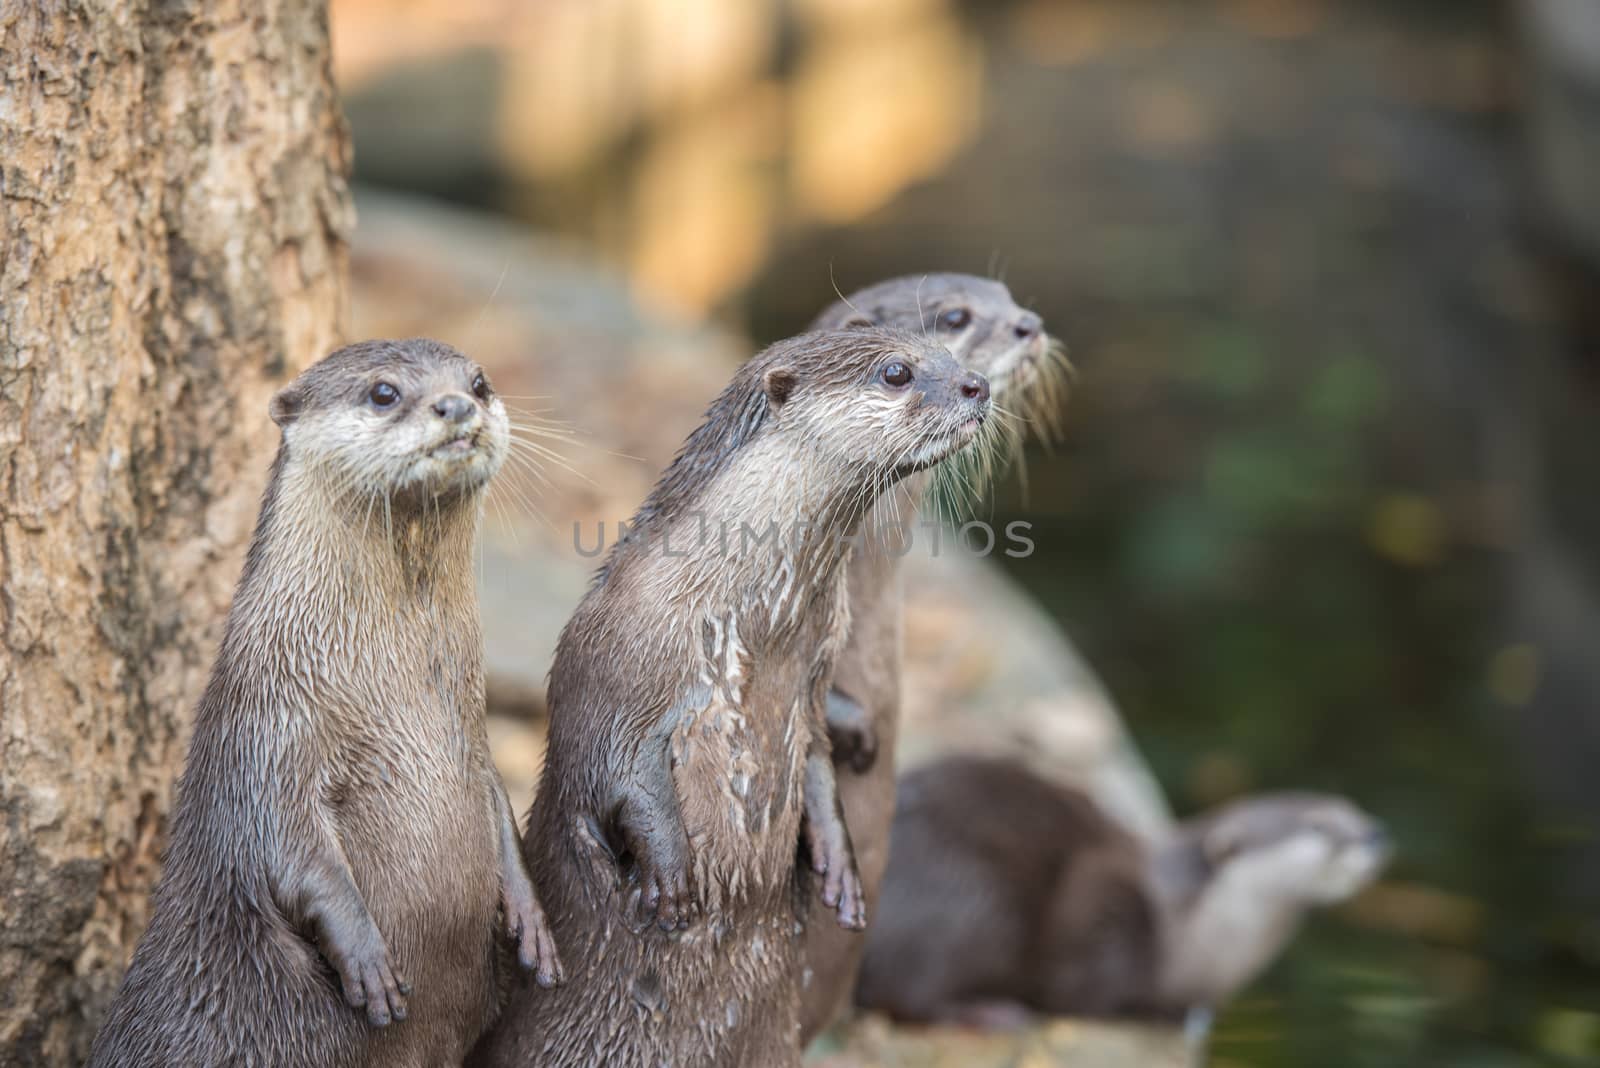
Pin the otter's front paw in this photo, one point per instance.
(370, 982)
(662, 894)
(834, 860)
(529, 931)
(851, 736)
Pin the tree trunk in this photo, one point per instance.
(173, 215)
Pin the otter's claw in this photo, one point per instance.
(528, 929)
(370, 983)
(827, 840)
(851, 736)
(841, 885)
(663, 896)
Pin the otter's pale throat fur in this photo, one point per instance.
(976, 319)
(688, 763)
(1009, 894)
(1232, 886)
(341, 844)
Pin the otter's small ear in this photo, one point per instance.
(285, 406)
(856, 322)
(779, 384)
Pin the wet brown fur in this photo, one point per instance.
(1007, 345)
(339, 775)
(1008, 894)
(686, 724)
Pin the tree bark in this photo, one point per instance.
(173, 212)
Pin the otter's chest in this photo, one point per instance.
(738, 758)
(413, 788)
(422, 750)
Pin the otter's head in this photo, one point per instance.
(866, 406)
(1297, 849)
(412, 421)
(888, 400)
(1237, 881)
(976, 319)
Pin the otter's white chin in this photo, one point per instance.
(458, 466)
(1020, 367)
(942, 448)
(1350, 872)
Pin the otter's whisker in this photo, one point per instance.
(495, 514)
(525, 504)
(533, 443)
(524, 467)
(372, 499)
(533, 448)
(527, 433)
(549, 429)
(476, 319)
(528, 464)
(533, 454)
(842, 298)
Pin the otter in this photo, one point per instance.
(976, 319)
(340, 841)
(688, 770)
(1009, 894)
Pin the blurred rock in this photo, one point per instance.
(989, 672)
(518, 747)
(870, 1042)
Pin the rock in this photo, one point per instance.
(989, 672)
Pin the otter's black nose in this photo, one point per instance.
(1029, 325)
(453, 407)
(975, 387)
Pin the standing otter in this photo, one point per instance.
(688, 758)
(338, 793)
(976, 319)
(1007, 892)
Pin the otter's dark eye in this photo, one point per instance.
(384, 395)
(480, 387)
(896, 374)
(954, 319)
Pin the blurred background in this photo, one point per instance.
(1325, 512)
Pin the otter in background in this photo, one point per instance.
(976, 319)
(688, 758)
(339, 825)
(1007, 894)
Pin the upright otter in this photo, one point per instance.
(338, 793)
(1007, 892)
(976, 319)
(688, 758)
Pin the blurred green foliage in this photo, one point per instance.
(1272, 611)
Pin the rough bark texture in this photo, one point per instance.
(174, 215)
